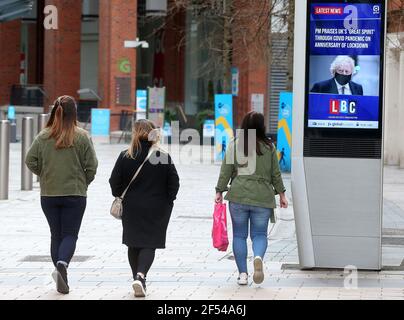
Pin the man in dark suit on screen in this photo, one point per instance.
(342, 70)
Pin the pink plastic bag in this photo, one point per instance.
(219, 231)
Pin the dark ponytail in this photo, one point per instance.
(255, 121)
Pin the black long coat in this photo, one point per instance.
(149, 201)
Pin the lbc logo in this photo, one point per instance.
(342, 106)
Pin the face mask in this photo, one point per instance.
(343, 79)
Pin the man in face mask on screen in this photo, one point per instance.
(342, 69)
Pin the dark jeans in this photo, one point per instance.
(141, 260)
(64, 215)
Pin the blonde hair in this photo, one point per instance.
(62, 123)
(143, 130)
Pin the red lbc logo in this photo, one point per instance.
(342, 106)
(328, 10)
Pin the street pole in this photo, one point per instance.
(4, 158)
(27, 139)
(42, 121)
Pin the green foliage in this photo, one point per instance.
(206, 114)
(170, 115)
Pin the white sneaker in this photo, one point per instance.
(258, 276)
(242, 279)
(55, 275)
(139, 287)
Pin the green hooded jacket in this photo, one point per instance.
(256, 182)
(63, 172)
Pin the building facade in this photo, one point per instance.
(394, 112)
(85, 56)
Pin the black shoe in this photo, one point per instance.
(60, 277)
(139, 287)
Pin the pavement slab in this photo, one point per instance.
(189, 268)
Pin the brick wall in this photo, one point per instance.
(10, 35)
(62, 51)
(118, 22)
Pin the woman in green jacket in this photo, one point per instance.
(63, 156)
(251, 163)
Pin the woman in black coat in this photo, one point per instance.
(149, 201)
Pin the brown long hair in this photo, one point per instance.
(62, 123)
(255, 121)
(143, 130)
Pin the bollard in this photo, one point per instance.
(42, 121)
(27, 139)
(13, 131)
(13, 124)
(4, 158)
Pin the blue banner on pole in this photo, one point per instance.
(100, 122)
(223, 124)
(11, 113)
(284, 144)
(167, 129)
(141, 104)
(235, 79)
(209, 129)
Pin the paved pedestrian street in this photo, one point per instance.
(189, 268)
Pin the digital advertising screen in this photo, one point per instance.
(345, 65)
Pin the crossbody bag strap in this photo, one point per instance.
(152, 149)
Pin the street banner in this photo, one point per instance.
(156, 104)
(235, 80)
(209, 129)
(11, 113)
(223, 123)
(167, 129)
(141, 104)
(284, 141)
(100, 122)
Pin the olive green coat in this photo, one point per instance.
(255, 183)
(63, 172)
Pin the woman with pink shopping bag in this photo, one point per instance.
(251, 163)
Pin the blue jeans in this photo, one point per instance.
(64, 215)
(258, 218)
